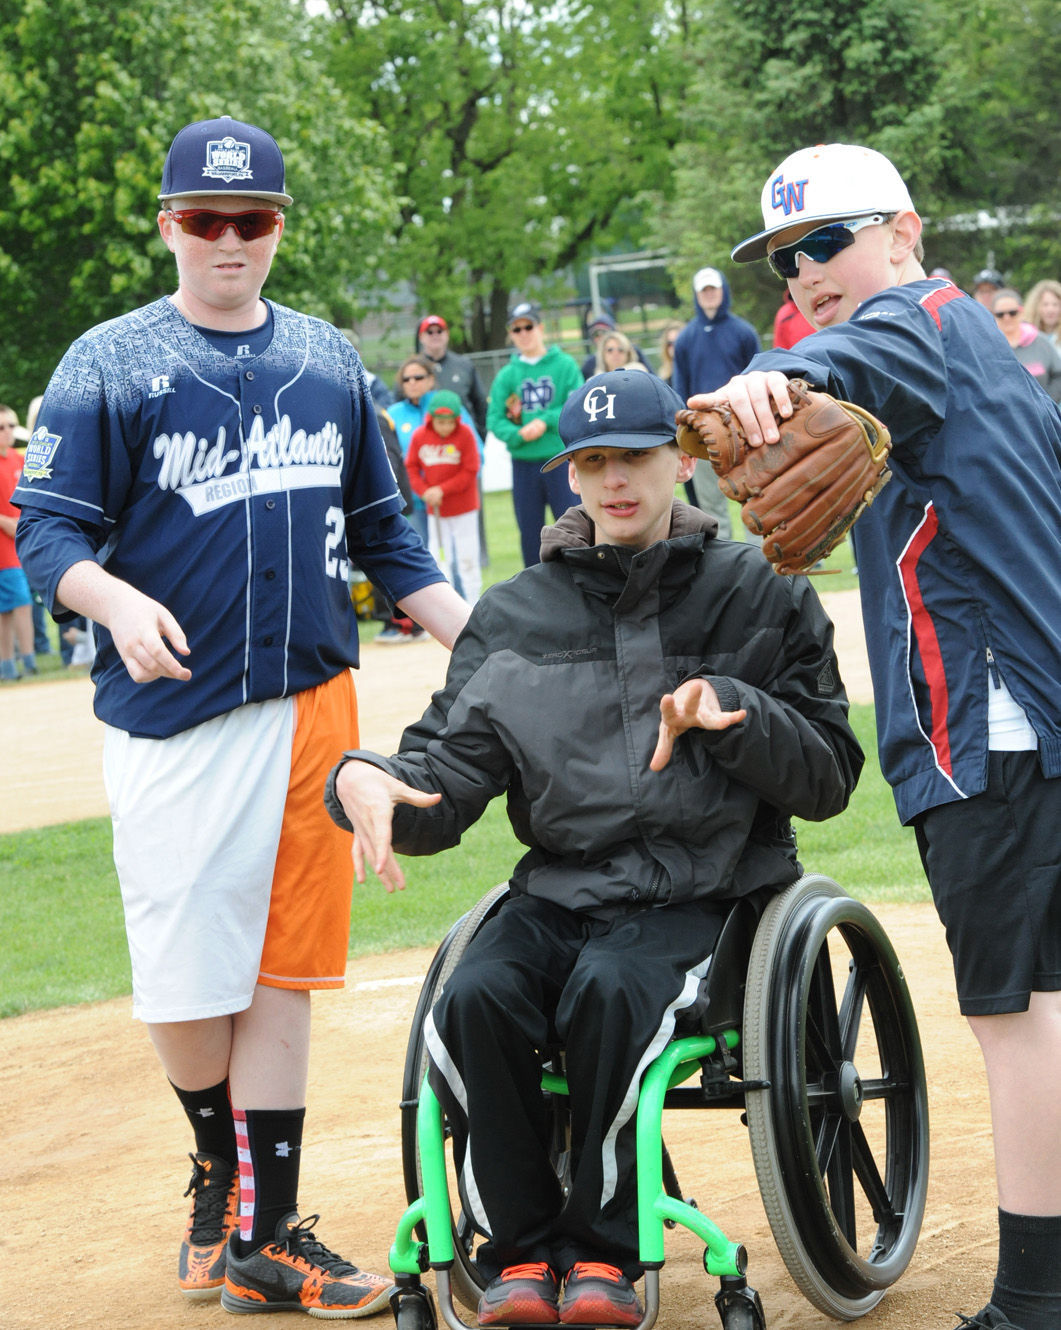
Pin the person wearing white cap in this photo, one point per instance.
(959, 562)
(202, 472)
(714, 344)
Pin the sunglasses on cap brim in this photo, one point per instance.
(819, 246)
(207, 225)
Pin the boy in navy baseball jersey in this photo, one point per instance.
(959, 561)
(202, 472)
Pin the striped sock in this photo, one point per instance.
(269, 1146)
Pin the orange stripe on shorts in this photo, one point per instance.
(307, 936)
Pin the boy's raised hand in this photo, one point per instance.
(368, 796)
(692, 705)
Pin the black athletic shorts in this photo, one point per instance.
(994, 865)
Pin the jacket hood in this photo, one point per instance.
(575, 530)
(723, 309)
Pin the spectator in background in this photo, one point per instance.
(453, 372)
(1033, 349)
(42, 643)
(416, 383)
(16, 615)
(986, 285)
(416, 379)
(526, 399)
(713, 346)
(615, 351)
(458, 374)
(789, 324)
(598, 325)
(1042, 309)
(443, 467)
(668, 336)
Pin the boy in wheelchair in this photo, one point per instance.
(656, 704)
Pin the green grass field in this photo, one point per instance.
(60, 911)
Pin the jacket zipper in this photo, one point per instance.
(992, 668)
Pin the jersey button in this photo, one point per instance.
(270, 575)
(249, 374)
(257, 410)
(270, 504)
(267, 641)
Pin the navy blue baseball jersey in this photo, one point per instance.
(233, 489)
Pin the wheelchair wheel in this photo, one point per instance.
(465, 1280)
(840, 1137)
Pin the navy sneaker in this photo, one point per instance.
(521, 1295)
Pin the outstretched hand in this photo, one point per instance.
(368, 796)
(692, 706)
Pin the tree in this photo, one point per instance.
(94, 91)
(520, 132)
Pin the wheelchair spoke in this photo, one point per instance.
(851, 1009)
(839, 1179)
(865, 1166)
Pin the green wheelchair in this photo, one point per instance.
(810, 1031)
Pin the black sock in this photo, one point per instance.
(210, 1114)
(1028, 1285)
(269, 1165)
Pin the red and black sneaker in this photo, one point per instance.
(521, 1295)
(599, 1294)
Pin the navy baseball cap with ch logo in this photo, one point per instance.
(625, 408)
(224, 156)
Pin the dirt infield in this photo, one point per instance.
(94, 1145)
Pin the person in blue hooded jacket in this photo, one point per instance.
(713, 346)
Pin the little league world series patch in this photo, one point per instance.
(40, 454)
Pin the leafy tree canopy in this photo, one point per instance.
(519, 132)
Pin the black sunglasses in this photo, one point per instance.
(819, 246)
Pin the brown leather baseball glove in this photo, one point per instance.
(803, 493)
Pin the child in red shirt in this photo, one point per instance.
(443, 464)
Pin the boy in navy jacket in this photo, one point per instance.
(959, 563)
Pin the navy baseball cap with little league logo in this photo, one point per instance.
(224, 156)
(620, 409)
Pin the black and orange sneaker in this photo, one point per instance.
(214, 1190)
(521, 1295)
(297, 1273)
(599, 1294)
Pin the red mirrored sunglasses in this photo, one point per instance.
(207, 225)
